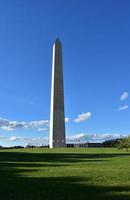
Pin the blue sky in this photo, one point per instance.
(95, 37)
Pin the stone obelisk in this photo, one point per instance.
(57, 117)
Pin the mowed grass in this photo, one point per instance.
(59, 174)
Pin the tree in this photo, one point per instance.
(124, 143)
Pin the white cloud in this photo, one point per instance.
(33, 124)
(14, 138)
(67, 119)
(125, 107)
(124, 96)
(7, 128)
(83, 137)
(9, 125)
(77, 137)
(24, 141)
(42, 129)
(83, 117)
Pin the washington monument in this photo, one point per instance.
(57, 117)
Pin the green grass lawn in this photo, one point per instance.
(59, 174)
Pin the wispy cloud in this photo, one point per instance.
(14, 138)
(42, 129)
(24, 141)
(124, 96)
(10, 125)
(83, 137)
(83, 117)
(39, 125)
(124, 107)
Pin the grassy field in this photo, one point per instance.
(59, 174)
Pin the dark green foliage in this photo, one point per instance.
(110, 143)
(123, 143)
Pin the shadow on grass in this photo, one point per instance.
(56, 157)
(58, 188)
(14, 186)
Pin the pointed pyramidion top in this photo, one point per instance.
(57, 41)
